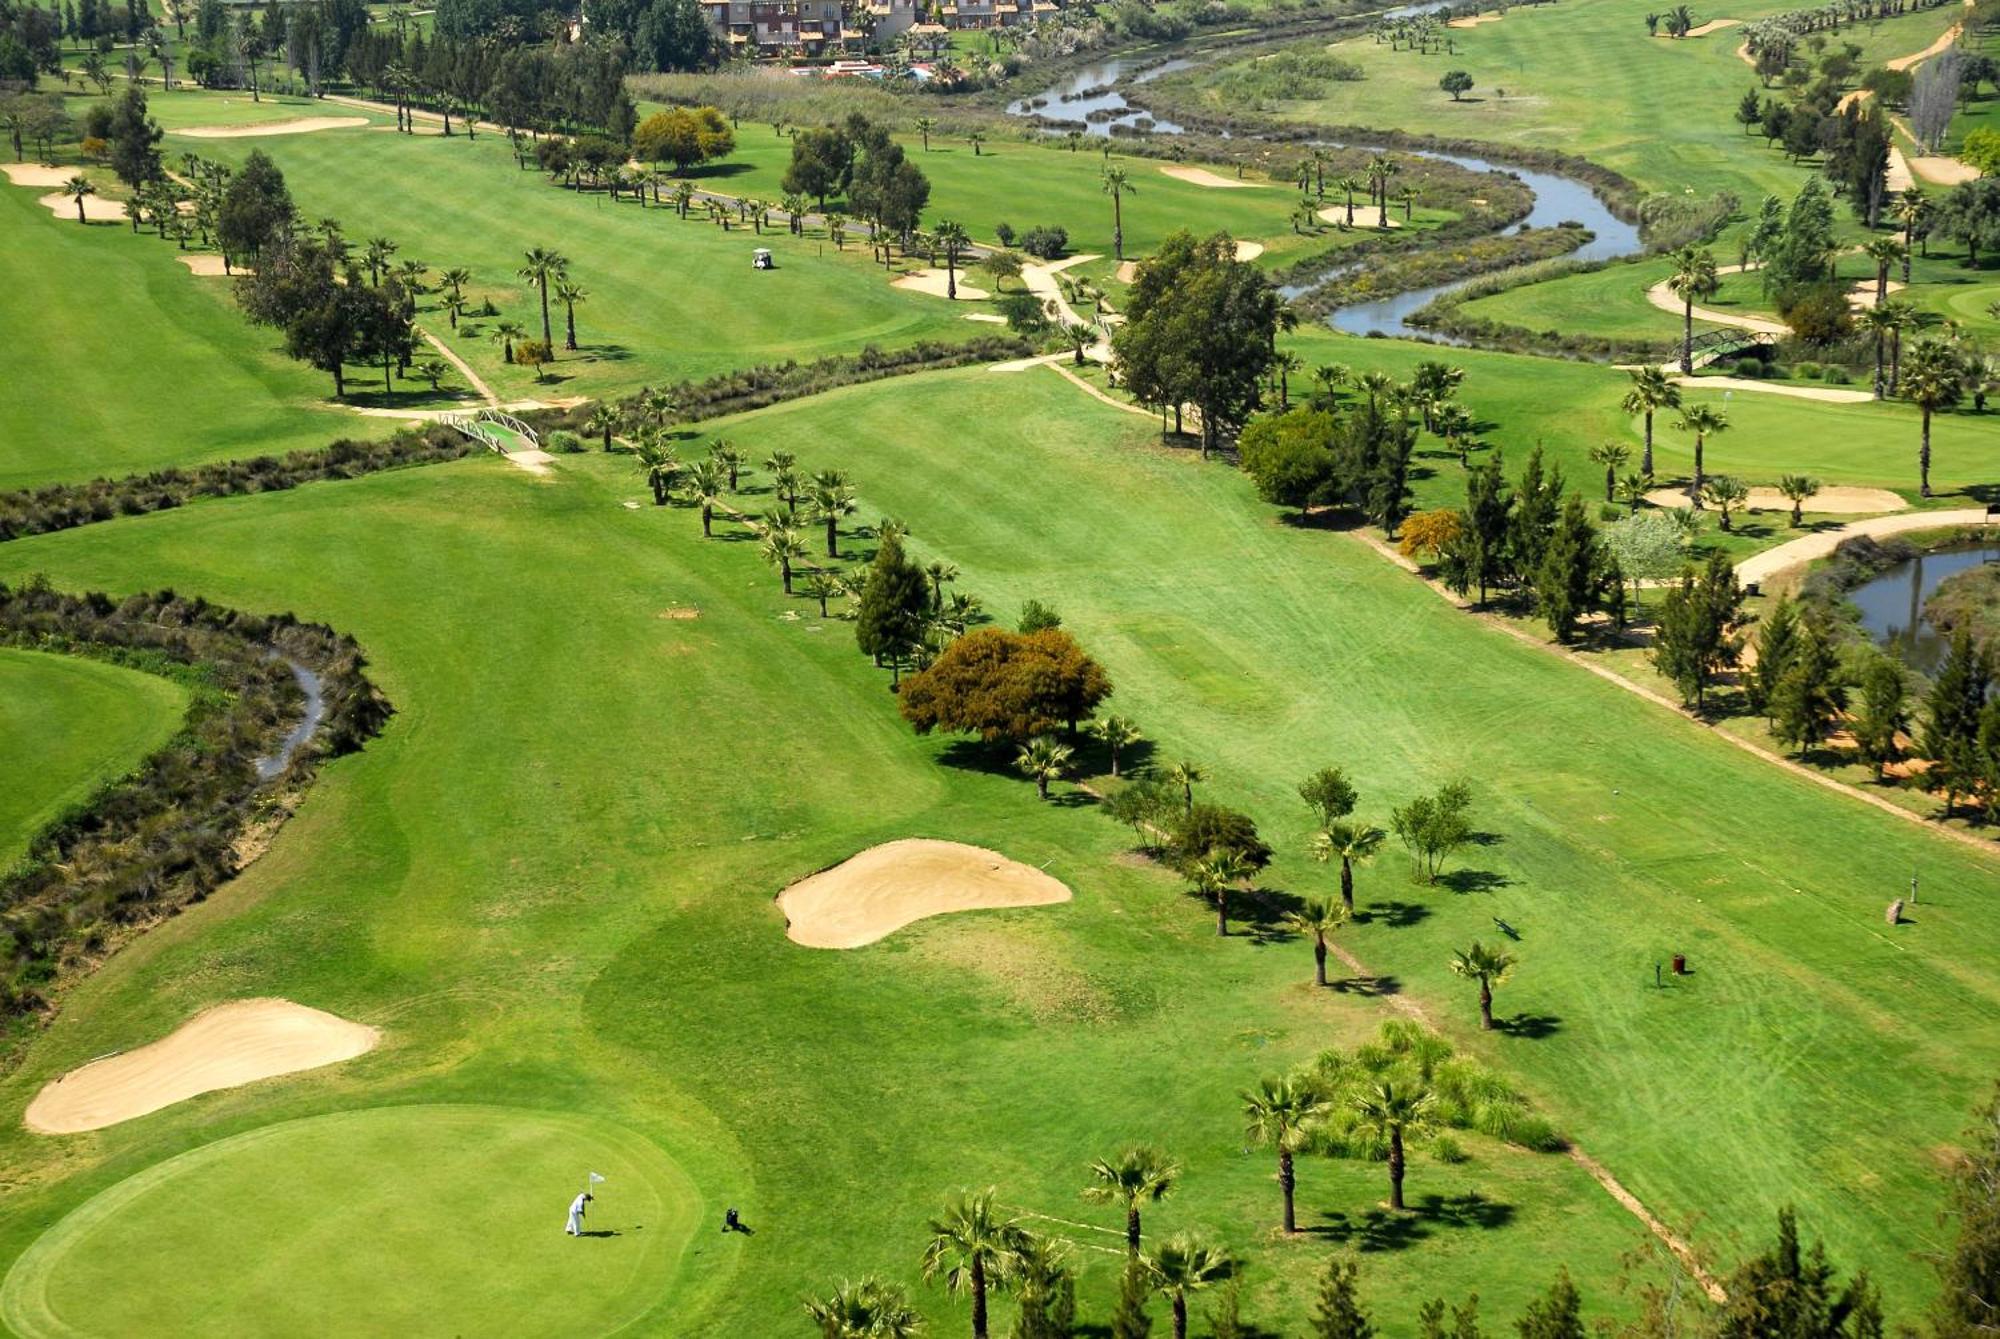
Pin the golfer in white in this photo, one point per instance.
(576, 1211)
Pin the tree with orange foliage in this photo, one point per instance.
(1006, 685)
(1430, 533)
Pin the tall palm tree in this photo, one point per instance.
(1693, 279)
(569, 295)
(1933, 379)
(781, 548)
(940, 574)
(77, 188)
(1218, 872)
(1352, 844)
(1902, 316)
(925, 125)
(1395, 1109)
(1042, 760)
(973, 1247)
(953, 239)
(868, 1309)
(1136, 1177)
(542, 268)
(1489, 967)
(1117, 185)
(831, 497)
(1652, 390)
(1117, 733)
(704, 489)
(1704, 421)
(1347, 184)
(1186, 1264)
(1612, 456)
(1913, 211)
(1880, 321)
(1184, 774)
(1381, 167)
(1885, 252)
(1317, 920)
(603, 422)
(1280, 1113)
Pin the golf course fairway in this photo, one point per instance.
(417, 1219)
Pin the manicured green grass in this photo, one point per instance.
(1982, 109)
(70, 725)
(135, 363)
(550, 882)
(1610, 303)
(381, 1220)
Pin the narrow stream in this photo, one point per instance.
(1892, 604)
(1558, 199)
(309, 684)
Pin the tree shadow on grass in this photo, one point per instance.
(1367, 987)
(1377, 1229)
(1530, 1027)
(1473, 880)
(1395, 915)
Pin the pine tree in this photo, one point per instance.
(1130, 1320)
(1951, 732)
(1795, 1292)
(1884, 712)
(1566, 579)
(1536, 502)
(1968, 1302)
(1696, 628)
(1810, 695)
(1557, 1314)
(1488, 508)
(1339, 1313)
(1777, 640)
(890, 615)
(1464, 1320)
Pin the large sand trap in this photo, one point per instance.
(1201, 176)
(932, 281)
(1476, 20)
(96, 208)
(1249, 250)
(224, 1047)
(1704, 29)
(35, 174)
(1366, 215)
(1842, 500)
(301, 125)
(886, 887)
(210, 267)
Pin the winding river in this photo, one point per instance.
(1558, 199)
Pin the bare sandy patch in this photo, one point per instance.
(987, 317)
(1863, 293)
(224, 1047)
(1743, 54)
(887, 887)
(37, 174)
(300, 125)
(1127, 271)
(96, 209)
(1337, 214)
(533, 461)
(1201, 176)
(1249, 250)
(1824, 394)
(1475, 21)
(1941, 171)
(931, 280)
(1841, 500)
(1945, 39)
(210, 267)
(1704, 29)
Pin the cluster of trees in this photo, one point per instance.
(1345, 451)
(309, 284)
(164, 837)
(859, 162)
(1201, 328)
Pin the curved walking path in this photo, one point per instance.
(1763, 566)
(1663, 297)
(472, 378)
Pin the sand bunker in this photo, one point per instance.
(1127, 271)
(302, 125)
(1365, 215)
(1201, 176)
(1704, 29)
(224, 1047)
(1476, 20)
(1863, 293)
(1843, 500)
(886, 887)
(988, 317)
(96, 209)
(1249, 250)
(932, 281)
(35, 174)
(210, 267)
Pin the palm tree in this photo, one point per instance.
(1933, 379)
(1652, 390)
(869, 1309)
(729, 458)
(1184, 774)
(376, 258)
(1454, 425)
(1317, 919)
(683, 197)
(975, 138)
(1117, 184)
(569, 295)
(1352, 844)
(704, 489)
(1215, 874)
(1280, 1113)
(603, 422)
(952, 237)
(1881, 320)
(1136, 1177)
(542, 268)
(940, 574)
(925, 125)
(1185, 1264)
(781, 548)
(831, 497)
(973, 1248)
(1796, 489)
(77, 188)
(1884, 251)
(1286, 362)
(1902, 316)
(1725, 494)
(1395, 1110)
(1632, 490)
(1489, 967)
(1703, 420)
(1694, 278)
(1912, 210)
(504, 333)
(1347, 185)
(1043, 760)
(658, 466)
(1612, 456)
(822, 585)
(1117, 733)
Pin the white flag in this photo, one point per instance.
(595, 1178)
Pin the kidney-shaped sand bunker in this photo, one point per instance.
(886, 887)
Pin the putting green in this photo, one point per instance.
(416, 1219)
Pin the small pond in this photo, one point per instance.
(1892, 604)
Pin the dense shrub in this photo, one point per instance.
(1442, 264)
(1047, 242)
(168, 834)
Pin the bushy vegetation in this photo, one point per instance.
(1429, 266)
(1288, 73)
(170, 833)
